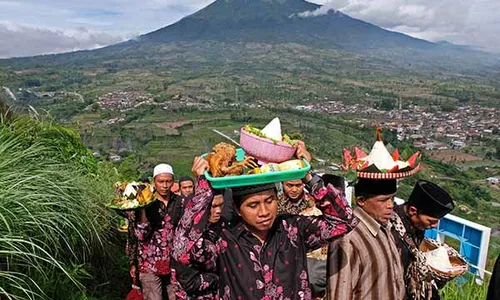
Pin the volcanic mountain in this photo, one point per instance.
(223, 31)
(282, 21)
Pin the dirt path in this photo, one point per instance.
(173, 125)
(452, 156)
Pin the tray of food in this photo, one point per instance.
(243, 170)
(132, 196)
(265, 156)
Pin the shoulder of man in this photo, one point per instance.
(350, 246)
(358, 240)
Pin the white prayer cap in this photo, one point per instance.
(162, 169)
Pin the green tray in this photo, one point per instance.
(254, 179)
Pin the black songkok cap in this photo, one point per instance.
(218, 192)
(430, 199)
(186, 178)
(240, 192)
(374, 187)
(338, 182)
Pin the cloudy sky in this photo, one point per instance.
(31, 27)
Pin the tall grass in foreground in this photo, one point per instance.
(52, 221)
(464, 289)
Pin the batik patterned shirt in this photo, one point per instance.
(154, 244)
(194, 282)
(249, 269)
(415, 235)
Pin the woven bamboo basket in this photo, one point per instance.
(459, 264)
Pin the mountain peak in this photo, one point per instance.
(271, 21)
(253, 9)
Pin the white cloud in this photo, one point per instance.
(114, 16)
(471, 22)
(22, 40)
(323, 10)
(31, 27)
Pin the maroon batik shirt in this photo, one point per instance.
(155, 244)
(273, 270)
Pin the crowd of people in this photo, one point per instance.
(299, 239)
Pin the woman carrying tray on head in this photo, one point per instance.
(264, 255)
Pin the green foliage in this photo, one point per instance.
(387, 104)
(442, 168)
(464, 288)
(32, 82)
(448, 107)
(129, 168)
(52, 219)
(162, 97)
(241, 117)
(466, 192)
(95, 107)
(463, 95)
(459, 184)
(477, 173)
(65, 142)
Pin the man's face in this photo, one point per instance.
(421, 221)
(259, 211)
(379, 207)
(293, 189)
(163, 183)
(186, 188)
(216, 210)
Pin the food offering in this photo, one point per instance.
(442, 261)
(265, 156)
(133, 195)
(122, 225)
(231, 168)
(267, 145)
(222, 161)
(272, 131)
(379, 163)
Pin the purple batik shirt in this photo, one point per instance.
(249, 269)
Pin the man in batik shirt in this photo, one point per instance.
(194, 282)
(186, 186)
(296, 201)
(264, 255)
(154, 230)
